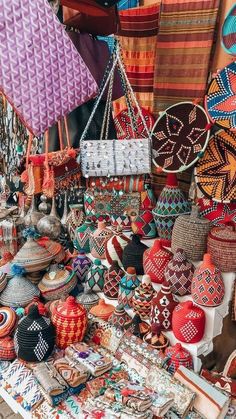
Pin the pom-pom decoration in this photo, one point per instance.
(17, 270)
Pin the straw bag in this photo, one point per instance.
(221, 245)
(112, 157)
(41, 89)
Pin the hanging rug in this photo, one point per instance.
(228, 34)
(124, 128)
(180, 136)
(220, 100)
(216, 171)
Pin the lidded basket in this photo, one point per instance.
(170, 204)
(70, 320)
(98, 240)
(57, 282)
(102, 310)
(207, 286)
(177, 356)
(88, 299)
(133, 254)
(82, 235)
(155, 260)
(33, 257)
(190, 234)
(7, 349)
(35, 337)
(8, 319)
(179, 273)
(188, 322)
(114, 247)
(221, 244)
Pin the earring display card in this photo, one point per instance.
(112, 157)
(41, 73)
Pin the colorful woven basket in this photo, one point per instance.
(220, 98)
(221, 245)
(33, 257)
(217, 212)
(188, 322)
(124, 127)
(177, 355)
(179, 137)
(70, 320)
(228, 34)
(216, 171)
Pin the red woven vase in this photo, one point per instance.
(155, 260)
(70, 320)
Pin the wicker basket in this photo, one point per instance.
(221, 245)
(190, 234)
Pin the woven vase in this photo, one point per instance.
(142, 298)
(144, 224)
(190, 234)
(127, 287)
(70, 320)
(177, 356)
(170, 204)
(162, 307)
(96, 276)
(112, 280)
(221, 245)
(82, 235)
(98, 241)
(119, 316)
(179, 273)
(75, 219)
(207, 285)
(114, 248)
(81, 265)
(133, 254)
(121, 221)
(155, 260)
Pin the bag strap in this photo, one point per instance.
(128, 92)
(60, 133)
(29, 146)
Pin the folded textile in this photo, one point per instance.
(45, 411)
(103, 333)
(20, 382)
(128, 394)
(72, 375)
(209, 402)
(85, 355)
(223, 383)
(55, 400)
(112, 410)
(49, 378)
(161, 381)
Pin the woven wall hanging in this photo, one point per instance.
(179, 137)
(216, 171)
(221, 96)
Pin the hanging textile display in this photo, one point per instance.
(40, 97)
(8, 237)
(221, 97)
(216, 170)
(184, 43)
(137, 36)
(179, 137)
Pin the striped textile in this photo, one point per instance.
(137, 36)
(184, 43)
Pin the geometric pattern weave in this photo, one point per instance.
(41, 72)
(221, 96)
(216, 171)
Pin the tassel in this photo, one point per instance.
(42, 241)
(71, 153)
(49, 183)
(17, 270)
(30, 232)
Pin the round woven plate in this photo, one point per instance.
(179, 137)
(228, 34)
(220, 100)
(124, 128)
(216, 171)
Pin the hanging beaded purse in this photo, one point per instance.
(112, 157)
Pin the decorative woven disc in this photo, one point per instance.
(179, 137)
(216, 171)
(220, 100)
(124, 128)
(228, 35)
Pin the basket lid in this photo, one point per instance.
(226, 233)
(54, 278)
(102, 309)
(69, 309)
(31, 252)
(178, 352)
(19, 291)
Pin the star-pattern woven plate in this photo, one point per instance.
(179, 137)
(216, 171)
(220, 100)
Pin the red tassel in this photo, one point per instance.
(37, 159)
(42, 241)
(72, 153)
